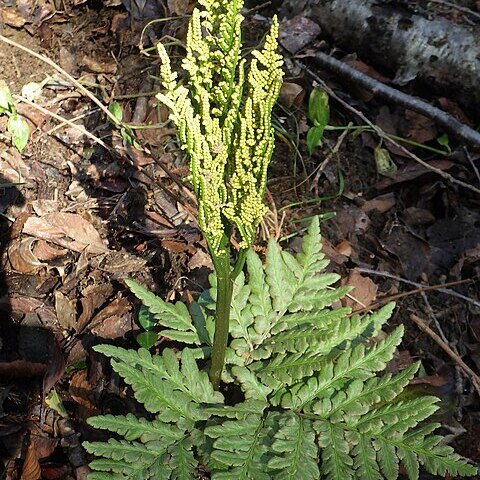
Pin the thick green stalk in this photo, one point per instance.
(225, 279)
(222, 317)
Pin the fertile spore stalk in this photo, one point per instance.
(223, 116)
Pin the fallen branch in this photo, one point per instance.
(451, 124)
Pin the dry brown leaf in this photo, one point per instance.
(180, 7)
(79, 389)
(113, 321)
(66, 310)
(419, 128)
(100, 66)
(297, 32)
(12, 18)
(363, 293)
(43, 251)
(22, 257)
(200, 259)
(31, 468)
(344, 248)
(178, 247)
(68, 230)
(292, 94)
(382, 203)
(44, 445)
(334, 256)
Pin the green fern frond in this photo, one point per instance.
(241, 447)
(161, 385)
(132, 428)
(174, 317)
(182, 462)
(336, 461)
(358, 397)
(313, 401)
(359, 362)
(295, 450)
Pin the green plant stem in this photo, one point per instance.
(222, 316)
(225, 279)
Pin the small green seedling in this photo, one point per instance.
(16, 126)
(126, 132)
(319, 115)
(384, 162)
(148, 337)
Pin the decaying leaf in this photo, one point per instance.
(363, 293)
(22, 257)
(31, 467)
(79, 389)
(68, 230)
(66, 310)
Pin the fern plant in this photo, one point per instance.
(306, 398)
(312, 403)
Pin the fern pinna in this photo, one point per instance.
(313, 405)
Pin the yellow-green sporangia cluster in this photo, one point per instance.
(223, 121)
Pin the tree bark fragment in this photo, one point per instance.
(442, 55)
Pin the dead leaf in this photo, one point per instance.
(66, 310)
(43, 251)
(413, 170)
(412, 252)
(180, 7)
(364, 291)
(419, 128)
(100, 66)
(344, 248)
(113, 321)
(331, 253)
(21, 256)
(55, 367)
(31, 468)
(178, 247)
(79, 389)
(292, 94)
(200, 259)
(12, 18)
(382, 203)
(44, 445)
(68, 230)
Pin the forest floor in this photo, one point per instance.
(78, 217)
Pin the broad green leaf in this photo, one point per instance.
(318, 108)
(314, 138)
(146, 319)
(116, 110)
(19, 130)
(147, 339)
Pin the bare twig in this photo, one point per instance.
(424, 288)
(454, 356)
(385, 136)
